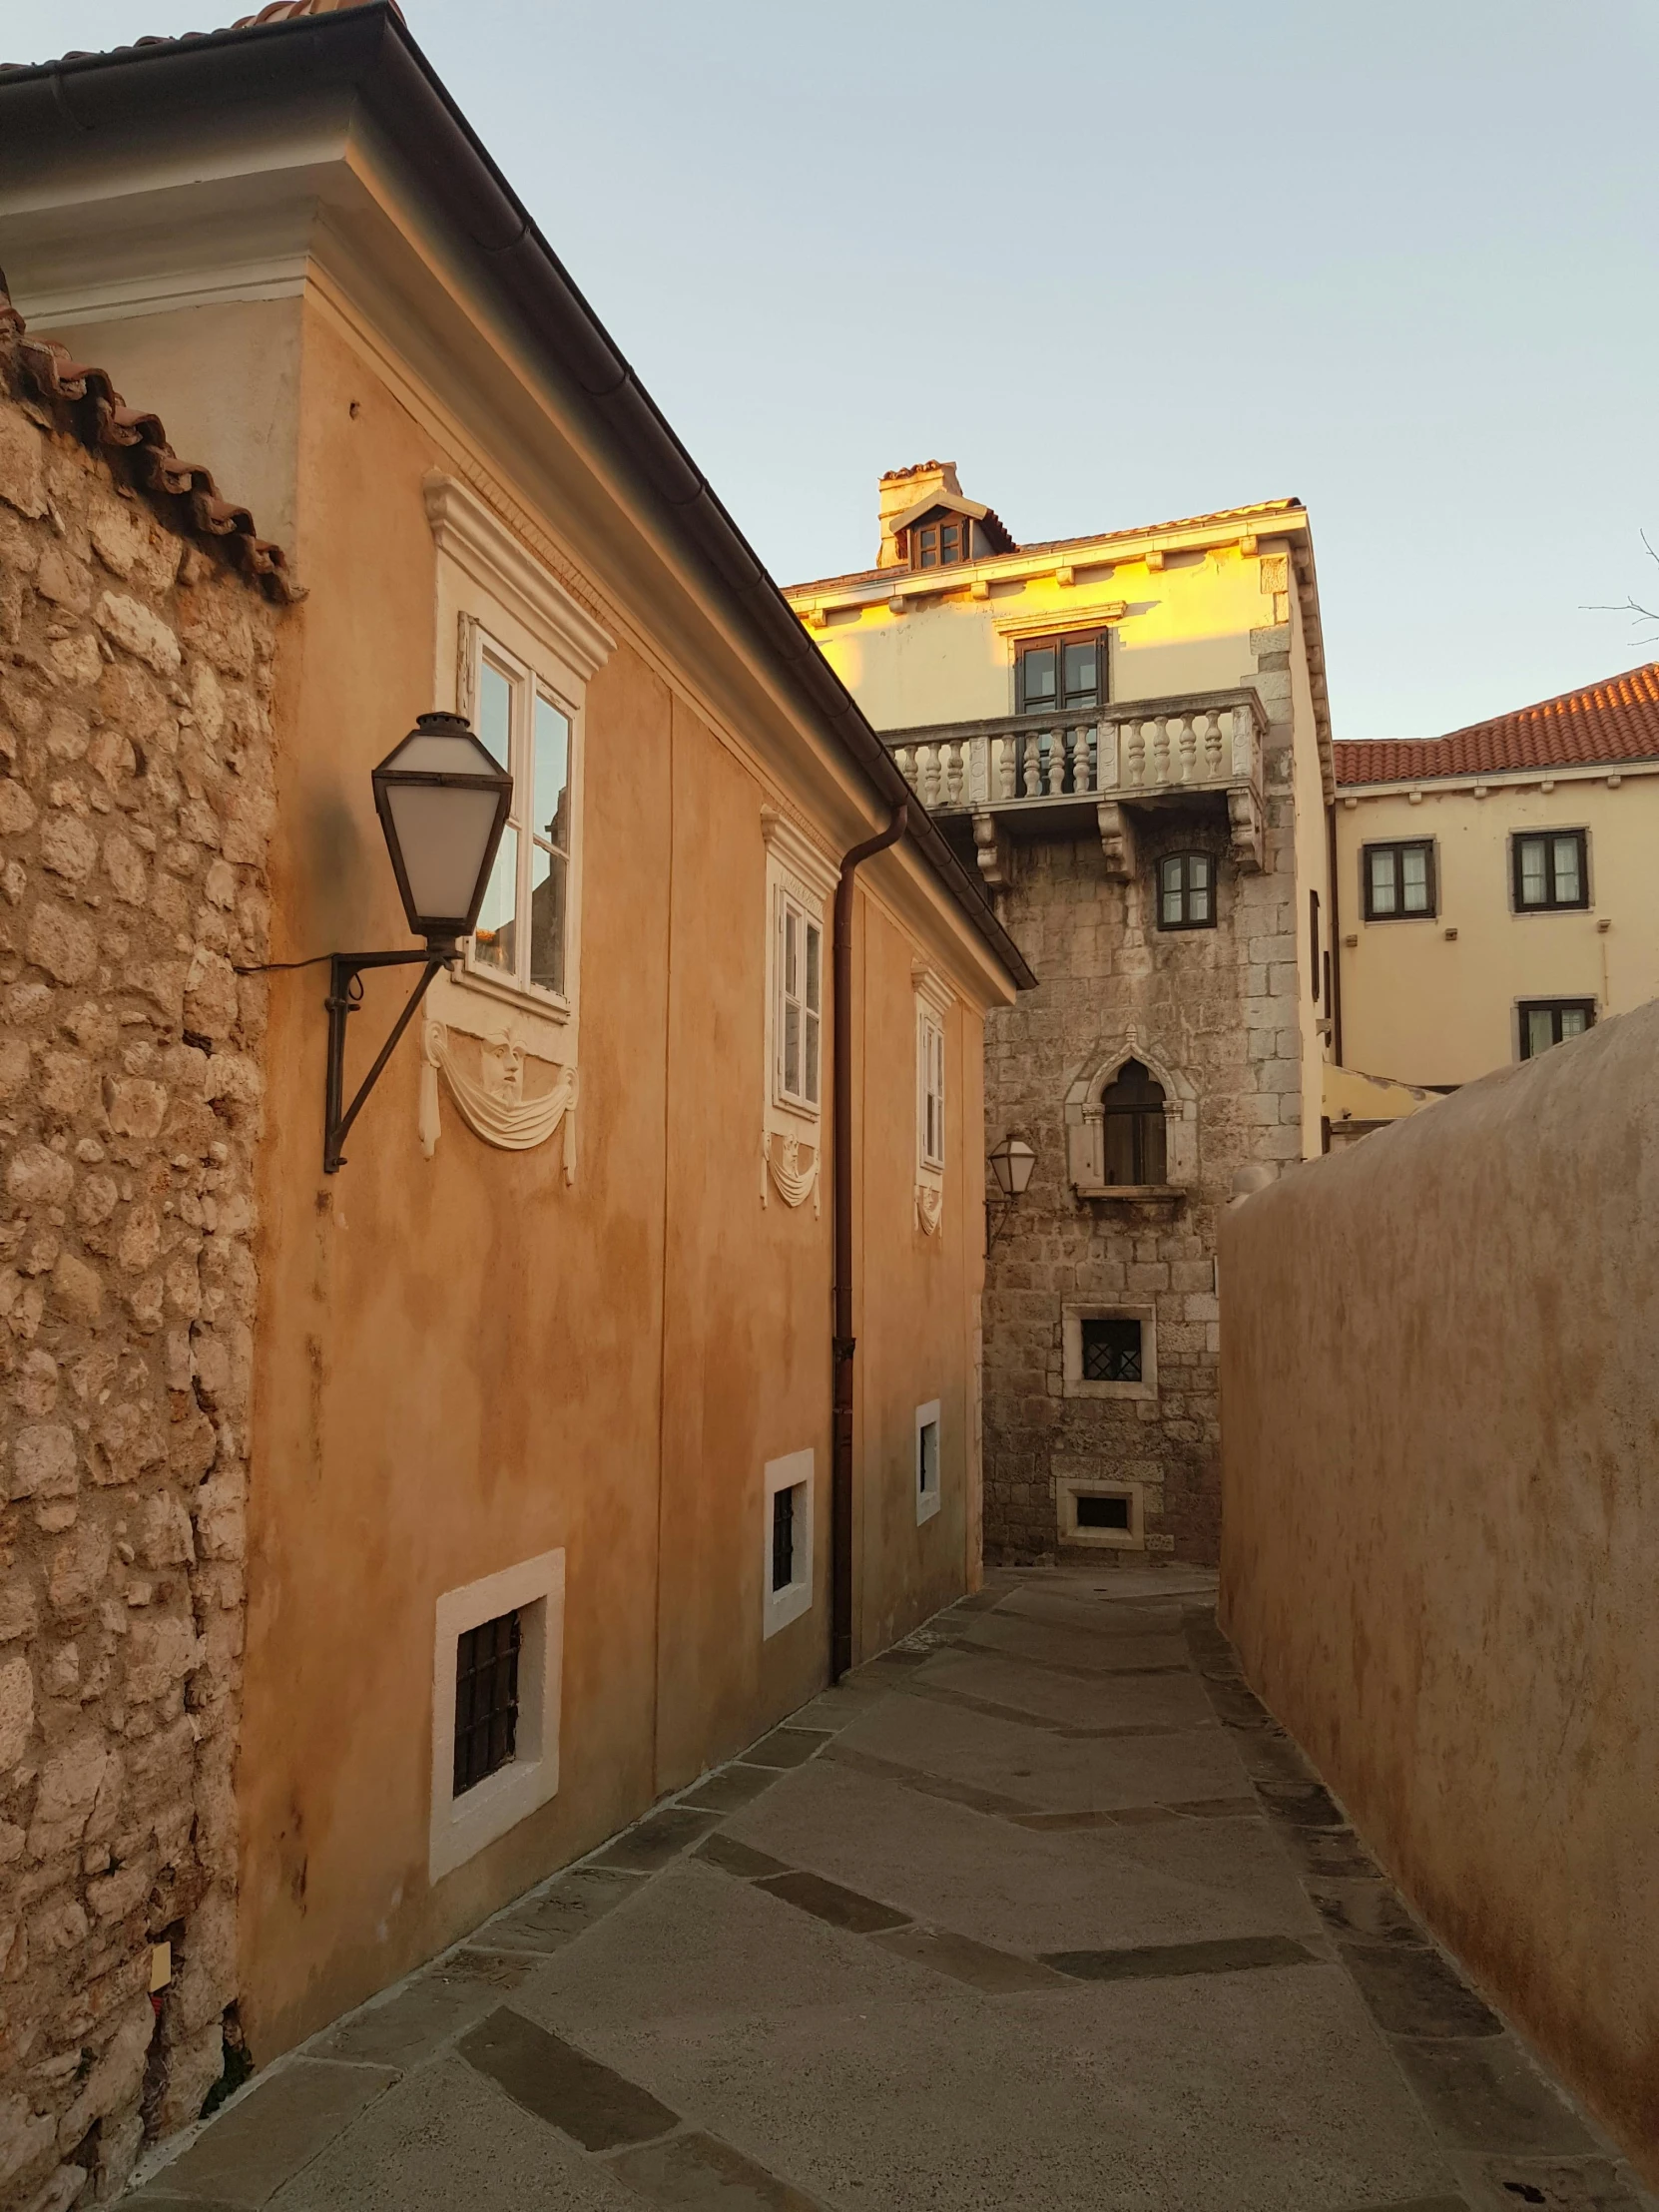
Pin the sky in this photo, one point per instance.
(1121, 263)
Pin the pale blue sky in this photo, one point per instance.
(1125, 263)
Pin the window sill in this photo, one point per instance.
(811, 1117)
(1131, 1194)
(517, 995)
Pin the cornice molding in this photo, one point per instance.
(477, 540)
(794, 850)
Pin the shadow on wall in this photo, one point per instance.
(1440, 1526)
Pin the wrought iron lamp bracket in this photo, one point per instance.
(346, 991)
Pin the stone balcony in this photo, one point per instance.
(1033, 774)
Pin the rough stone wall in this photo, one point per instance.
(1219, 1008)
(135, 798)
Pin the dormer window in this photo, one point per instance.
(939, 540)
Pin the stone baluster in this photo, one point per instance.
(1134, 763)
(1187, 737)
(1032, 778)
(1106, 757)
(905, 761)
(1056, 761)
(1210, 731)
(1006, 749)
(956, 771)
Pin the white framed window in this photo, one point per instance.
(798, 1015)
(928, 1461)
(522, 938)
(786, 1530)
(933, 1003)
(931, 1087)
(497, 1659)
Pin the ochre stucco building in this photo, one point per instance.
(1128, 735)
(547, 1366)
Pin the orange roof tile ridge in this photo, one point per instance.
(86, 401)
(1613, 719)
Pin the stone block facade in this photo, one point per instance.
(1214, 1014)
(136, 792)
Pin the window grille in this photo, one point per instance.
(1111, 1352)
(486, 1698)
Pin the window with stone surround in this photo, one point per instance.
(799, 881)
(927, 1460)
(1549, 1021)
(1132, 1107)
(1063, 673)
(1109, 1349)
(1186, 891)
(497, 1658)
(1550, 871)
(1396, 881)
(787, 1528)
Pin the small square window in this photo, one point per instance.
(1103, 1511)
(1551, 870)
(486, 1698)
(1397, 881)
(1549, 1021)
(1103, 1515)
(1111, 1350)
(927, 1460)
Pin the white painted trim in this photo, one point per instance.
(927, 1501)
(779, 1607)
(461, 1827)
(477, 541)
(795, 852)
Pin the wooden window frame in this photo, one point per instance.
(1183, 861)
(929, 1088)
(1548, 839)
(1555, 1008)
(1056, 642)
(1400, 912)
(916, 548)
(1142, 1117)
(808, 1096)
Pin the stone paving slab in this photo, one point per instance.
(1041, 1908)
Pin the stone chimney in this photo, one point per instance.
(900, 488)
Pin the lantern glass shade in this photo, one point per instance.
(443, 802)
(1011, 1164)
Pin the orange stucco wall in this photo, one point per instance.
(464, 1362)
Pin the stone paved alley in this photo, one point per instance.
(1038, 1909)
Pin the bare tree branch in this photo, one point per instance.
(1632, 607)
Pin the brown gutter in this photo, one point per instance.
(845, 1343)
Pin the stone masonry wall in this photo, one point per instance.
(1216, 1006)
(134, 800)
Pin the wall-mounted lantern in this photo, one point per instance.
(1012, 1163)
(443, 802)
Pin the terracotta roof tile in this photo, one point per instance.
(84, 401)
(277, 11)
(1615, 720)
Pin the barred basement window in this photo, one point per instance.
(486, 1698)
(1111, 1350)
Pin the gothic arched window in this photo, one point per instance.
(1132, 1107)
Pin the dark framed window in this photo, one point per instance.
(1550, 871)
(782, 1538)
(927, 1460)
(1314, 943)
(1061, 675)
(1132, 1107)
(1397, 881)
(1548, 1021)
(486, 1698)
(939, 540)
(1186, 891)
(1111, 1354)
(1096, 1511)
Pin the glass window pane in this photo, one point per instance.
(1574, 1021)
(1198, 903)
(1382, 883)
(1037, 675)
(814, 938)
(550, 806)
(495, 707)
(494, 939)
(547, 918)
(1540, 1030)
(1567, 890)
(808, 1089)
(950, 542)
(792, 986)
(792, 1050)
(1082, 673)
(1413, 868)
(1533, 893)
